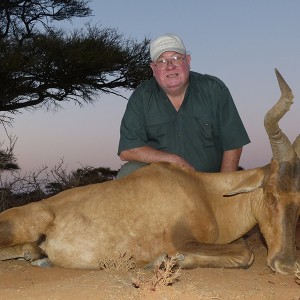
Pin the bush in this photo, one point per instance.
(22, 189)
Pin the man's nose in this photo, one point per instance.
(170, 64)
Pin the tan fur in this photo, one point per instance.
(159, 209)
(141, 214)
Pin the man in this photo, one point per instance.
(180, 116)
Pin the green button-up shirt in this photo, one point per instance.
(206, 124)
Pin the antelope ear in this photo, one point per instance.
(247, 185)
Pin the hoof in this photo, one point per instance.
(156, 262)
(179, 256)
(42, 263)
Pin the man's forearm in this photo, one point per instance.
(231, 159)
(149, 155)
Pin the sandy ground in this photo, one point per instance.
(20, 280)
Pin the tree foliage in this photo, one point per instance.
(8, 161)
(41, 65)
(23, 189)
(80, 177)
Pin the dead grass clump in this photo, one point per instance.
(164, 275)
(124, 262)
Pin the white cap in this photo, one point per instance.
(166, 42)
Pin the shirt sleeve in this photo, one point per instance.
(132, 130)
(233, 132)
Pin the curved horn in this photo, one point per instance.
(296, 146)
(281, 146)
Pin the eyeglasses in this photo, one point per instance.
(176, 61)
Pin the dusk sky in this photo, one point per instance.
(241, 42)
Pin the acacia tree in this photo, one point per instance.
(8, 161)
(41, 65)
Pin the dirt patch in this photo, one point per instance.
(19, 280)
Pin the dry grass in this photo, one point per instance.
(164, 275)
(124, 262)
(297, 279)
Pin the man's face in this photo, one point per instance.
(171, 71)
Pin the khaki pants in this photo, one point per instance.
(129, 168)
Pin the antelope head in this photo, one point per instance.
(281, 189)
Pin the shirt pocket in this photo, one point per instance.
(157, 128)
(204, 129)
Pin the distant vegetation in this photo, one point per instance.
(18, 190)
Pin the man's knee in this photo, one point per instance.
(129, 168)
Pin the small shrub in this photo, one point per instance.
(297, 277)
(124, 262)
(164, 275)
